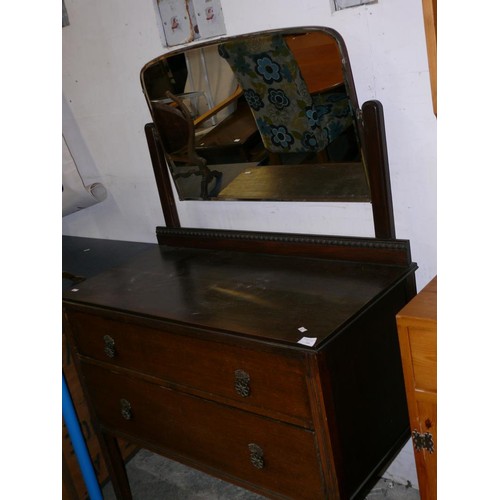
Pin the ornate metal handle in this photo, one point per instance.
(256, 455)
(242, 383)
(126, 409)
(109, 346)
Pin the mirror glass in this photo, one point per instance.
(268, 116)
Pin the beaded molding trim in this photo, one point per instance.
(371, 243)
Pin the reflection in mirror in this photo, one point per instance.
(262, 117)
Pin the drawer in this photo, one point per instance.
(267, 382)
(424, 357)
(243, 445)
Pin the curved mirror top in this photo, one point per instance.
(269, 116)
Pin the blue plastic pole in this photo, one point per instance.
(79, 445)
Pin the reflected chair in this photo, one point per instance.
(175, 128)
(170, 75)
(289, 118)
(167, 75)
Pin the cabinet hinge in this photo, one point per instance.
(423, 441)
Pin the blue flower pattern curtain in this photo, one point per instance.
(289, 119)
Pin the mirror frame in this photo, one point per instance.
(368, 119)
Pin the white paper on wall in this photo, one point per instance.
(182, 21)
(75, 194)
(210, 18)
(345, 4)
(176, 21)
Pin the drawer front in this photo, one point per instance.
(273, 455)
(264, 381)
(424, 357)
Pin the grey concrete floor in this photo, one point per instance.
(156, 478)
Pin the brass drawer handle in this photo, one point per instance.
(242, 383)
(126, 409)
(109, 346)
(256, 456)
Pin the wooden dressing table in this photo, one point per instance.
(269, 360)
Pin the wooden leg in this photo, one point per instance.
(68, 488)
(115, 466)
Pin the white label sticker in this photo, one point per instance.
(309, 341)
(302, 329)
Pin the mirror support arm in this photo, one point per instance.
(378, 169)
(160, 169)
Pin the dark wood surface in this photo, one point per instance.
(83, 258)
(170, 352)
(375, 147)
(179, 422)
(364, 371)
(163, 183)
(260, 295)
(370, 250)
(186, 322)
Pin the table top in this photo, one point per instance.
(280, 299)
(83, 258)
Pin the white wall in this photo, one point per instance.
(105, 47)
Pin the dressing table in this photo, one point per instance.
(269, 360)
